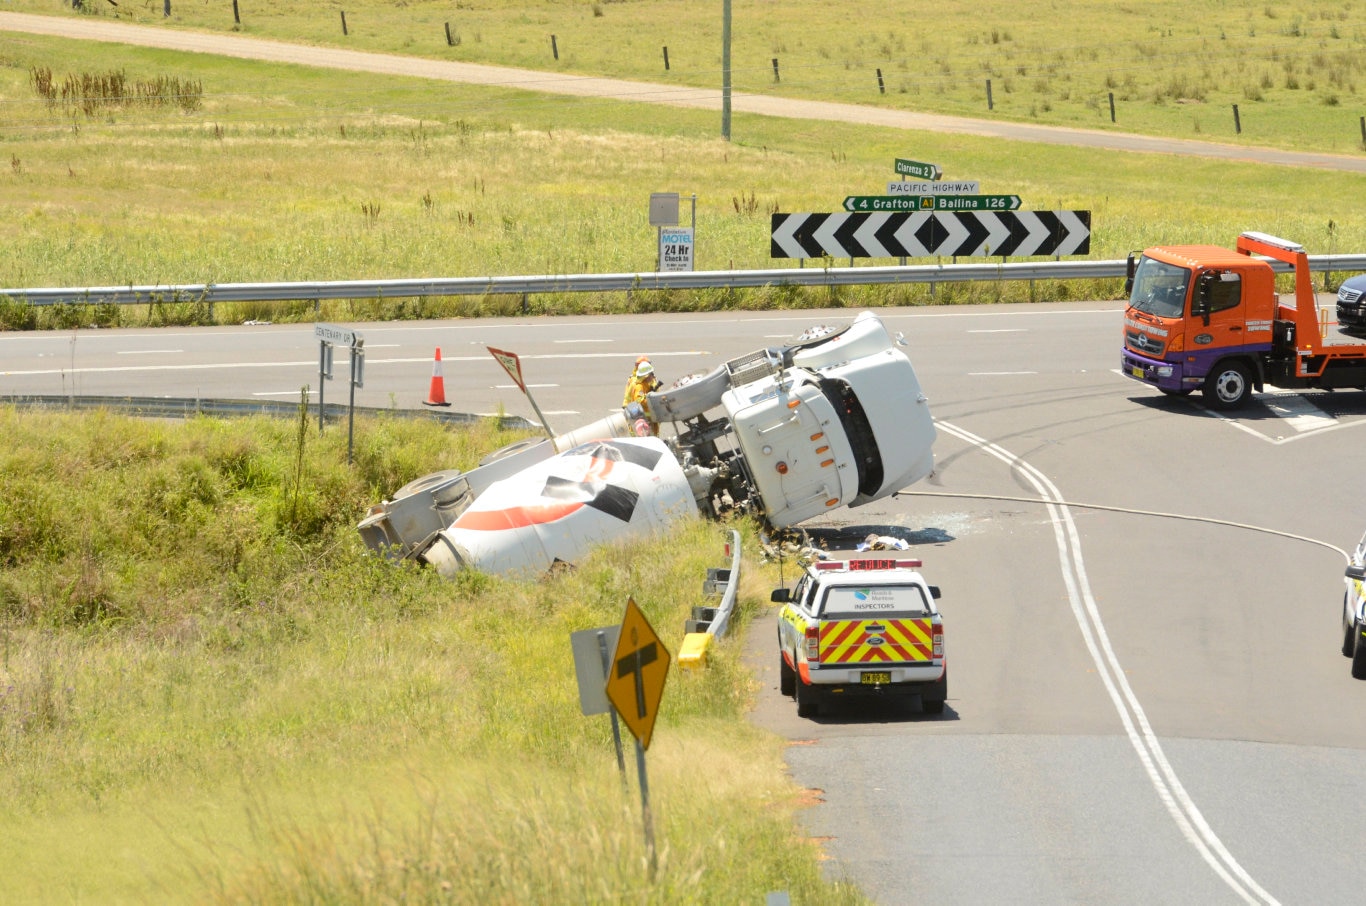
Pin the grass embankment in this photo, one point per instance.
(287, 173)
(1172, 68)
(210, 691)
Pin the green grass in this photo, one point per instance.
(1173, 68)
(295, 174)
(210, 691)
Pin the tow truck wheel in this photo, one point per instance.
(806, 699)
(1227, 385)
(787, 677)
(1359, 658)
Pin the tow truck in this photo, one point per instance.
(858, 628)
(1206, 318)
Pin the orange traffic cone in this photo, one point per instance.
(437, 395)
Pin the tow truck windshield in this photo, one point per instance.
(1159, 288)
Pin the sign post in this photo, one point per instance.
(513, 366)
(592, 664)
(635, 684)
(330, 335)
(674, 250)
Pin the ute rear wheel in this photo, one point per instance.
(787, 677)
(1227, 386)
(807, 705)
(1359, 658)
(1349, 631)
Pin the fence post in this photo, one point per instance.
(881, 89)
(1112, 106)
(1363, 130)
(990, 105)
(554, 47)
(166, 12)
(666, 58)
(1237, 123)
(344, 31)
(236, 16)
(775, 69)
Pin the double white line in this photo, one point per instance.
(1163, 778)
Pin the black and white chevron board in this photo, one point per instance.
(925, 234)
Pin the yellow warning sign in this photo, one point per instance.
(635, 678)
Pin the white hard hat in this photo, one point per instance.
(645, 369)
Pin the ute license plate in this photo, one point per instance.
(880, 678)
(1137, 371)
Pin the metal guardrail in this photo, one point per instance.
(721, 621)
(600, 283)
(169, 407)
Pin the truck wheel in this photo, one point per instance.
(1359, 659)
(787, 677)
(806, 699)
(1227, 385)
(1349, 630)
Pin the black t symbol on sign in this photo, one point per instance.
(635, 663)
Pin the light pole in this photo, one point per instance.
(725, 69)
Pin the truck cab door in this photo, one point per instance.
(1218, 317)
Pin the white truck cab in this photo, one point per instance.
(861, 627)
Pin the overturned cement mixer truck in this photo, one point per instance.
(837, 418)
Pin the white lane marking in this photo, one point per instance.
(276, 393)
(369, 363)
(550, 412)
(998, 373)
(1000, 330)
(1145, 743)
(1298, 412)
(1291, 407)
(148, 351)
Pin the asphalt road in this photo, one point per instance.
(1147, 701)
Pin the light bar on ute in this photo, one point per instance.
(852, 565)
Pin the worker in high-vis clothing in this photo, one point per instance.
(643, 381)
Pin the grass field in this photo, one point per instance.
(1173, 68)
(210, 692)
(286, 173)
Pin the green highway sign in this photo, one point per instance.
(889, 203)
(917, 169)
(932, 203)
(976, 202)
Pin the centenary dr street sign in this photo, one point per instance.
(932, 203)
(917, 169)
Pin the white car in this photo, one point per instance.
(1354, 611)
